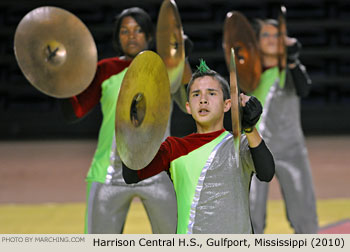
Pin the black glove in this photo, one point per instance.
(293, 52)
(251, 114)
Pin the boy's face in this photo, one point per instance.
(132, 38)
(206, 104)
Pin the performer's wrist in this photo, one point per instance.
(248, 130)
(294, 64)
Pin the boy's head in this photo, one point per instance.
(208, 99)
(204, 70)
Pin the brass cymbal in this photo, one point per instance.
(235, 106)
(187, 74)
(143, 110)
(170, 43)
(282, 31)
(55, 51)
(239, 34)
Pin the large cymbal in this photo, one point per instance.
(187, 74)
(282, 30)
(55, 51)
(235, 106)
(239, 34)
(170, 42)
(143, 110)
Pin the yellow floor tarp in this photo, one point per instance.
(68, 218)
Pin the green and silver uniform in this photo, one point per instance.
(108, 196)
(280, 127)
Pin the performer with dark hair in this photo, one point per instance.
(279, 93)
(108, 197)
(212, 188)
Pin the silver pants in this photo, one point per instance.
(108, 206)
(297, 189)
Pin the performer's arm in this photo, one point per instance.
(78, 106)
(300, 77)
(160, 162)
(261, 155)
(262, 159)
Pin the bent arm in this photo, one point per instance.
(76, 107)
(160, 162)
(262, 157)
(301, 79)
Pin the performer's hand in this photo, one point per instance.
(252, 109)
(293, 50)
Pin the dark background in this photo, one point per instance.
(322, 26)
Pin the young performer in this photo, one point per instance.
(281, 129)
(108, 197)
(212, 191)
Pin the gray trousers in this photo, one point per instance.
(297, 189)
(108, 206)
